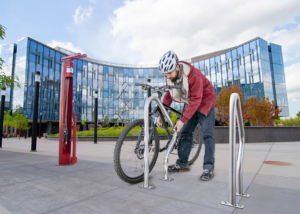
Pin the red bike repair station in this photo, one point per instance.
(66, 113)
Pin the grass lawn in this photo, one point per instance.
(112, 131)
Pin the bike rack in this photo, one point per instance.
(166, 159)
(146, 139)
(235, 167)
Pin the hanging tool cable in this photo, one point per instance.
(65, 132)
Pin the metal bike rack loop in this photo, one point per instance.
(235, 167)
(166, 158)
(146, 136)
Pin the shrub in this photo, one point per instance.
(114, 131)
(289, 122)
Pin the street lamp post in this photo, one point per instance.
(26, 134)
(35, 110)
(149, 94)
(2, 114)
(95, 117)
(40, 133)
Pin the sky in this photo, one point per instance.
(141, 31)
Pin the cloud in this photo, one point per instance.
(292, 82)
(195, 27)
(1, 48)
(289, 40)
(293, 87)
(82, 13)
(21, 39)
(93, 1)
(67, 45)
(68, 28)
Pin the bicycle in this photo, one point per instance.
(129, 149)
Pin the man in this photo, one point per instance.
(199, 95)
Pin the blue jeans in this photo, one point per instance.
(208, 129)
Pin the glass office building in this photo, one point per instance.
(256, 66)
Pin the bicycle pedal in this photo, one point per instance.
(163, 149)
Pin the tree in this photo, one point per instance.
(298, 115)
(116, 123)
(2, 36)
(20, 122)
(83, 121)
(6, 81)
(262, 112)
(2, 31)
(223, 100)
(104, 121)
(7, 120)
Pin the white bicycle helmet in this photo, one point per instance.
(168, 62)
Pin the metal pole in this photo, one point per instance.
(35, 111)
(2, 114)
(149, 94)
(26, 133)
(166, 158)
(95, 117)
(40, 133)
(232, 153)
(235, 111)
(146, 136)
(239, 167)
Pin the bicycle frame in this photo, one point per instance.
(163, 121)
(165, 126)
(146, 140)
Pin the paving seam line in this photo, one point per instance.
(254, 177)
(76, 202)
(178, 200)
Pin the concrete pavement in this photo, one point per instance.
(32, 183)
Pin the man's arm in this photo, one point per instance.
(196, 94)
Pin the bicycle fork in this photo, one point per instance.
(166, 158)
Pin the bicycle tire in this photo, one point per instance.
(118, 148)
(198, 134)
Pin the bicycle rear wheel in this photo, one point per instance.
(129, 152)
(196, 145)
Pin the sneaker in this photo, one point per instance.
(177, 168)
(207, 175)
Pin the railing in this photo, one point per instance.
(235, 167)
(146, 139)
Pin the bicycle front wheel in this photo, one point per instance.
(129, 152)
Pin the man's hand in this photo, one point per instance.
(159, 121)
(178, 126)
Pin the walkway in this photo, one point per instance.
(32, 183)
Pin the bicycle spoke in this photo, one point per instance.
(129, 152)
(132, 163)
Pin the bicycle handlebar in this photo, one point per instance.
(175, 86)
(140, 84)
(157, 88)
